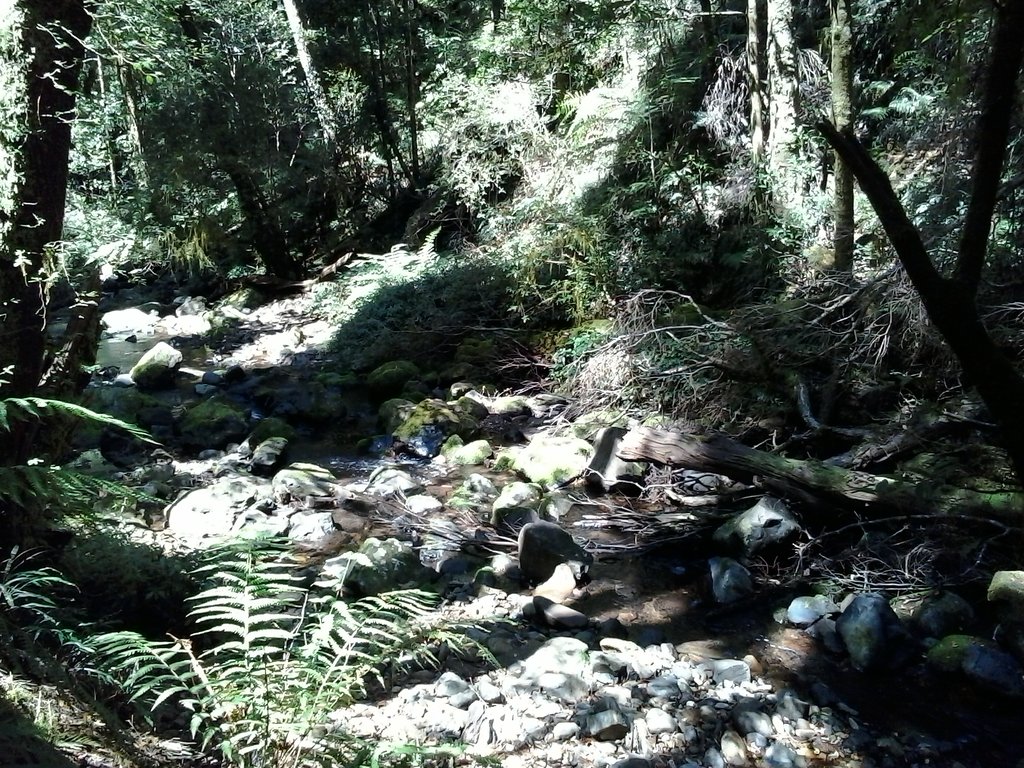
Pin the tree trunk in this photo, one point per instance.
(412, 89)
(268, 238)
(842, 117)
(813, 482)
(130, 93)
(950, 301)
(41, 56)
(755, 81)
(322, 104)
(783, 98)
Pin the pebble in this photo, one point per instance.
(660, 721)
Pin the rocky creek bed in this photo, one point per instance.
(616, 641)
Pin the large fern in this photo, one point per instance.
(38, 486)
(270, 660)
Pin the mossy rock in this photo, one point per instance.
(550, 460)
(213, 423)
(473, 407)
(949, 653)
(505, 461)
(389, 379)
(1007, 590)
(470, 454)
(437, 413)
(244, 298)
(394, 412)
(334, 379)
(270, 427)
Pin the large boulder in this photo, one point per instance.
(767, 523)
(943, 614)
(981, 662)
(389, 379)
(156, 368)
(378, 566)
(543, 546)
(871, 631)
(130, 320)
(301, 481)
(730, 581)
(430, 423)
(211, 511)
(213, 423)
(1006, 590)
(549, 460)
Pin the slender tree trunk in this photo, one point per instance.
(412, 89)
(322, 104)
(842, 118)
(950, 301)
(41, 57)
(755, 81)
(783, 99)
(130, 93)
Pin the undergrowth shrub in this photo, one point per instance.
(272, 663)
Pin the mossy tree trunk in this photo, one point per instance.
(41, 56)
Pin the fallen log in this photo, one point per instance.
(815, 482)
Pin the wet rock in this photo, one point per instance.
(767, 523)
(156, 368)
(268, 456)
(870, 630)
(543, 546)
(606, 471)
(430, 423)
(730, 581)
(943, 614)
(549, 460)
(804, 611)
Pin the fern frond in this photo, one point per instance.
(25, 408)
(42, 485)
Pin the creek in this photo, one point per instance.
(661, 595)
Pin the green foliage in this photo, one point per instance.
(27, 595)
(271, 661)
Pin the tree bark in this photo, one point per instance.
(755, 81)
(813, 482)
(950, 301)
(783, 98)
(322, 104)
(41, 56)
(842, 117)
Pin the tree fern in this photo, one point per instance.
(270, 660)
